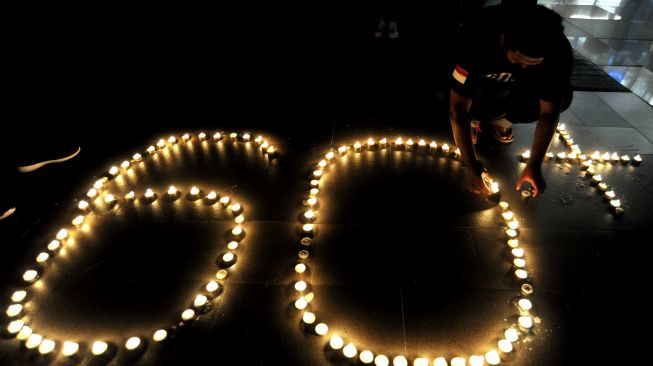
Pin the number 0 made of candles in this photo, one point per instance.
(100, 197)
(349, 348)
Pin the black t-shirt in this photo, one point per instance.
(481, 62)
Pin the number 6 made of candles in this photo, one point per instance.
(100, 197)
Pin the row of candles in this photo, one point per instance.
(17, 310)
(588, 164)
(348, 348)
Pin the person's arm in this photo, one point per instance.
(460, 124)
(546, 127)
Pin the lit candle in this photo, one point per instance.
(586, 164)
(188, 314)
(561, 127)
(602, 186)
(151, 149)
(591, 170)
(300, 286)
(160, 335)
(383, 142)
(172, 191)
(185, 137)
(237, 231)
(433, 145)
(54, 245)
(132, 343)
(109, 199)
(615, 203)
(211, 196)
(321, 329)
(258, 140)
(200, 300)
(330, 155)
(511, 334)
(161, 143)
(18, 296)
(573, 155)
(458, 361)
(69, 348)
(514, 224)
(381, 360)
(525, 322)
(524, 305)
(42, 257)
(494, 187)
(445, 148)
(125, 164)
(228, 257)
(513, 243)
(318, 173)
(597, 178)
(476, 360)
(246, 137)
(605, 157)
(271, 151)
(410, 143)
(82, 205)
(308, 317)
(615, 157)
(370, 143)
(303, 254)
(265, 145)
(440, 361)
(313, 192)
(78, 221)
(194, 191)
(504, 205)
(457, 152)
(505, 346)
(301, 303)
(637, 160)
(212, 286)
(336, 342)
(172, 140)
(399, 361)
(357, 146)
(137, 157)
(625, 159)
(15, 326)
(309, 215)
(221, 274)
(233, 135)
(217, 136)
(92, 193)
(130, 196)
(342, 150)
(521, 274)
(322, 163)
(311, 201)
(366, 357)
(202, 136)
(30, 275)
(239, 219)
(421, 143)
(350, 351)
(508, 215)
(399, 142)
(548, 155)
(99, 348)
(492, 357)
(113, 170)
(225, 200)
(300, 268)
(526, 155)
(14, 309)
(562, 155)
(511, 233)
(314, 183)
(610, 195)
(308, 228)
(518, 252)
(149, 193)
(33, 341)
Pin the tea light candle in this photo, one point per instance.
(258, 140)
(350, 351)
(615, 157)
(586, 164)
(525, 322)
(160, 335)
(311, 201)
(300, 286)
(239, 219)
(336, 342)
(225, 200)
(308, 228)
(524, 305)
(330, 155)
(476, 360)
(318, 173)
(322, 163)
(513, 243)
(301, 303)
(410, 143)
(14, 309)
(492, 357)
(228, 257)
(200, 300)
(188, 314)
(82, 205)
(237, 231)
(113, 170)
(505, 346)
(303, 254)
(625, 159)
(99, 348)
(172, 191)
(494, 187)
(433, 145)
(526, 155)
(615, 203)
(342, 150)
(610, 195)
(511, 334)
(399, 142)
(637, 160)
(42, 257)
(33, 341)
(504, 205)
(130, 196)
(30, 275)
(309, 215)
(518, 252)
(357, 146)
(172, 140)
(321, 329)
(47, 346)
(109, 199)
(69, 348)
(440, 361)
(308, 318)
(125, 164)
(508, 215)
(381, 360)
(548, 155)
(202, 136)
(194, 191)
(233, 135)
(92, 193)
(602, 186)
(383, 142)
(521, 274)
(458, 361)
(211, 196)
(300, 268)
(399, 361)
(445, 148)
(561, 127)
(212, 286)
(18, 296)
(271, 151)
(366, 357)
(217, 136)
(421, 143)
(605, 157)
(150, 150)
(562, 155)
(132, 343)
(511, 233)
(246, 137)
(149, 193)
(161, 143)
(54, 245)
(137, 157)
(185, 137)
(526, 289)
(597, 178)
(265, 145)
(78, 221)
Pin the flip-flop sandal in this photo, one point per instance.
(502, 131)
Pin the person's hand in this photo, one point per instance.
(480, 180)
(533, 176)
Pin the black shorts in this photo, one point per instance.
(518, 106)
